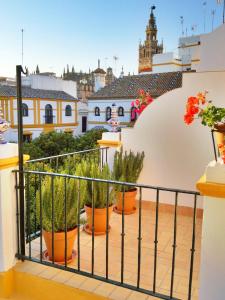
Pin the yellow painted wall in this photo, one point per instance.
(20, 285)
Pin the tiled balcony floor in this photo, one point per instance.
(164, 258)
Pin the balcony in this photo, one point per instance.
(155, 251)
(130, 271)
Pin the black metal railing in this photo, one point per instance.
(35, 180)
(99, 155)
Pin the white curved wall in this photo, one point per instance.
(175, 154)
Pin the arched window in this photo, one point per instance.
(97, 111)
(108, 113)
(120, 111)
(68, 111)
(48, 114)
(24, 110)
(133, 114)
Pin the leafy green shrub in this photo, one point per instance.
(55, 143)
(127, 167)
(97, 190)
(59, 196)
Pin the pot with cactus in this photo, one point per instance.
(63, 204)
(127, 167)
(98, 197)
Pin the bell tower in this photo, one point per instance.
(150, 45)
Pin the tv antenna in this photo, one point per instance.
(220, 2)
(22, 30)
(182, 24)
(193, 29)
(213, 12)
(204, 14)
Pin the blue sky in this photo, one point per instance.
(78, 32)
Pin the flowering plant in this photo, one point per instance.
(199, 107)
(143, 100)
(212, 116)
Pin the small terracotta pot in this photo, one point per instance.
(100, 220)
(129, 202)
(220, 127)
(59, 244)
(220, 137)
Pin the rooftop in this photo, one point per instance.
(27, 92)
(128, 86)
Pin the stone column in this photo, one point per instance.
(113, 141)
(212, 270)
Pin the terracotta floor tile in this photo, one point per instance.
(104, 289)
(90, 285)
(120, 293)
(164, 253)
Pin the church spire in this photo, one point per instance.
(150, 45)
(152, 21)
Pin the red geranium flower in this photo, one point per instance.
(188, 118)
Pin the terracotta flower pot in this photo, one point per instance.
(59, 245)
(99, 220)
(129, 202)
(220, 136)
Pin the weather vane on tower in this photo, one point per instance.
(152, 8)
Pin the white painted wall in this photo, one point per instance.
(165, 62)
(212, 51)
(175, 154)
(8, 236)
(212, 268)
(50, 83)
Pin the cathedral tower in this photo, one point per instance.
(150, 46)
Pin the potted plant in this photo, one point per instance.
(60, 198)
(127, 167)
(97, 194)
(210, 115)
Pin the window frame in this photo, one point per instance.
(108, 113)
(121, 111)
(68, 110)
(97, 111)
(25, 110)
(132, 111)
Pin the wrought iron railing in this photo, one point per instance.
(25, 240)
(99, 155)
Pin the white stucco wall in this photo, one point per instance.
(51, 83)
(213, 240)
(212, 51)
(175, 154)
